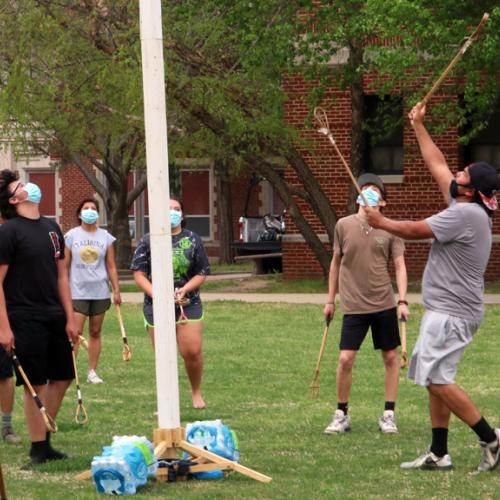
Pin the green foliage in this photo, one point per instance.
(259, 361)
(406, 45)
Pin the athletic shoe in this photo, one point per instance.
(429, 461)
(340, 423)
(9, 436)
(491, 454)
(387, 422)
(93, 378)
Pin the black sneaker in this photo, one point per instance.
(52, 454)
(34, 461)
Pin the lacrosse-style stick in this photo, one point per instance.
(314, 387)
(324, 128)
(404, 352)
(3, 492)
(181, 303)
(49, 421)
(126, 352)
(474, 36)
(81, 416)
(83, 342)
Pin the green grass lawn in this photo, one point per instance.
(259, 364)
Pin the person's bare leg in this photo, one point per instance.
(439, 412)
(80, 324)
(457, 401)
(95, 344)
(344, 374)
(7, 394)
(151, 332)
(55, 392)
(189, 341)
(34, 420)
(391, 363)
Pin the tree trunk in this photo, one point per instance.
(117, 208)
(267, 170)
(358, 135)
(224, 212)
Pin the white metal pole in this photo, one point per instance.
(167, 384)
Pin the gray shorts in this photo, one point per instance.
(440, 345)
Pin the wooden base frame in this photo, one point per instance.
(167, 444)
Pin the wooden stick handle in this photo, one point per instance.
(458, 56)
(404, 352)
(120, 320)
(49, 421)
(349, 171)
(322, 348)
(3, 492)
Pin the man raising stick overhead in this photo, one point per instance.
(452, 290)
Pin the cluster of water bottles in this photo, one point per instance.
(124, 466)
(216, 437)
(130, 460)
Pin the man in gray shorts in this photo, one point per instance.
(452, 292)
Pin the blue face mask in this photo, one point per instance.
(175, 218)
(372, 197)
(89, 215)
(34, 192)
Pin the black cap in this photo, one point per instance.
(484, 178)
(369, 178)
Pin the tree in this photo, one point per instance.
(403, 45)
(72, 85)
(71, 74)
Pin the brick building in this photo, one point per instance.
(412, 194)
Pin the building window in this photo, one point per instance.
(195, 185)
(384, 128)
(47, 183)
(485, 146)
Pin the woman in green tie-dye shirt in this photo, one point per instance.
(191, 267)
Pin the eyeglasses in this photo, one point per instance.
(20, 184)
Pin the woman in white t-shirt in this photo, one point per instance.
(90, 260)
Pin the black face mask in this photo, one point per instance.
(454, 188)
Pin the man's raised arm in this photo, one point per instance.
(431, 154)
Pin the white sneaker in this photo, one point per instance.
(491, 454)
(387, 422)
(340, 423)
(429, 461)
(93, 378)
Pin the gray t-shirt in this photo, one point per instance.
(453, 281)
(88, 273)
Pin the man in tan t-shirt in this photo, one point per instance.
(360, 273)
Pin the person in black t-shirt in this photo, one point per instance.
(7, 395)
(36, 312)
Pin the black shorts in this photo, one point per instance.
(6, 370)
(42, 347)
(193, 312)
(384, 325)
